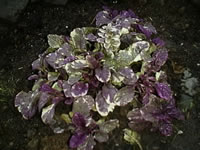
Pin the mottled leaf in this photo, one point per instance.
(67, 89)
(124, 96)
(27, 103)
(48, 114)
(139, 50)
(116, 78)
(102, 107)
(55, 60)
(130, 76)
(103, 74)
(65, 50)
(108, 93)
(83, 105)
(78, 38)
(79, 64)
(44, 98)
(125, 57)
(79, 89)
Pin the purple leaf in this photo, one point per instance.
(166, 129)
(26, 103)
(69, 59)
(92, 80)
(44, 98)
(69, 100)
(127, 14)
(102, 18)
(78, 120)
(46, 88)
(103, 74)
(88, 144)
(124, 96)
(158, 42)
(147, 29)
(99, 55)
(79, 89)
(102, 107)
(160, 57)
(108, 93)
(33, 77)
(77, 139)
(91, 37)
(164, 91)
(48, 114)
(83, 105)
(36, 65)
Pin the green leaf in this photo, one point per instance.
(132, 137)
(88, 30)
(66, 118)
(57, 87)
(109, 125)
(53, 76)
(55, 41)
(139, 50)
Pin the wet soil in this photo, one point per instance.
(177, 22)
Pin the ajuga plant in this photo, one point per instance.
(96, 69)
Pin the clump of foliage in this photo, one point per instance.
(96, 69)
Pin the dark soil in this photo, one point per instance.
(177, 22)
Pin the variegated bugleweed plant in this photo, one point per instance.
(116, 63)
